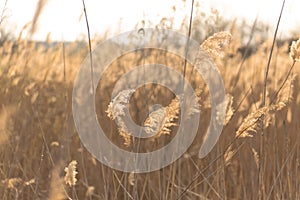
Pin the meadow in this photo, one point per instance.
(256, 157)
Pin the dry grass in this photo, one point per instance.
(38, 137)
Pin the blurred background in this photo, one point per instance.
(64, 20)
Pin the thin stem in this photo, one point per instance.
(188, 39)
(92, 82)
(2, 13)
(90, 47)
(237, 77)
(263, 104)
(283, 83)
(270, 58)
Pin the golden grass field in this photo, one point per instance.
(256, 157)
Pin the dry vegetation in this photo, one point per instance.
(257, 155)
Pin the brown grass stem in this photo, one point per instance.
(270, 57)
(237, 77)
(188, 39)
(283, 83)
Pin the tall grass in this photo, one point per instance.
(40, 146)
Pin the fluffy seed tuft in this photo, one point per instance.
(295, 51)
(70, 177)
(215, 43)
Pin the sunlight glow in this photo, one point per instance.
(65, 20)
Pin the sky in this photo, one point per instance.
(64, 19)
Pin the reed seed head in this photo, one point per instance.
(295, 51)
(70, 177)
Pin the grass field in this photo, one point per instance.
(256, 157)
